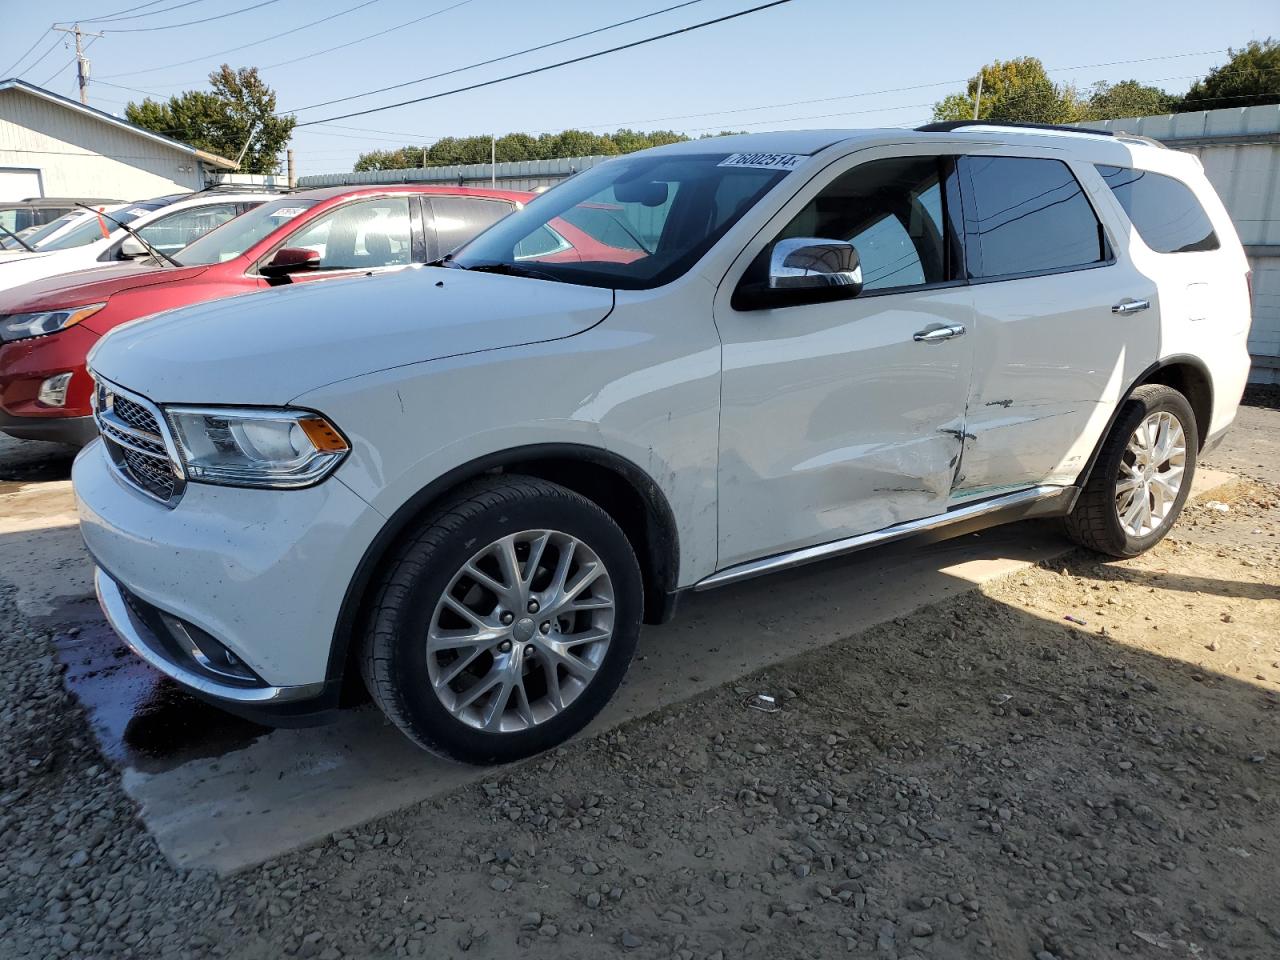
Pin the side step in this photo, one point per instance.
(1034, 502)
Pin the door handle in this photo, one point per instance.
(940, 333)
(1125, 307)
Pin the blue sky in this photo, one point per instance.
(752, 73)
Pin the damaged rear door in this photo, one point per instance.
(1063, 320)
(847, 417)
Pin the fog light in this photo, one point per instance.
(53, 392)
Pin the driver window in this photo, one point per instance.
(170, 234)
(360, 236)
(893, 212)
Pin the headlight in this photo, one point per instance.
(20, 326)
(256, 448)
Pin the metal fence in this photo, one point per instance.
(515, 175)
(1240, 150)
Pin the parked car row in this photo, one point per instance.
(104, 268)
(464, 487)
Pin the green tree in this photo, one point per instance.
(1016, 91)
(1128, 98)
(448, 151)
(239, 107)
(1249, 78)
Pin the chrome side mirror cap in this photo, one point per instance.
(131, 248)
(814, 263)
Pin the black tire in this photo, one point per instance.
(394, 661)
(1095, 522)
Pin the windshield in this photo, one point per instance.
(235, 237)
(633, 223)
(38, 236)
(96, 228)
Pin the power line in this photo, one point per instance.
(149, 13)
(24, 56)
(245, 46)
(192, 23)
(40, 59)
(110, 16)
(352, 43)
(69, 63)
(508, 56)
(553, 66)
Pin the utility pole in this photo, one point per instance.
(82, 64)
(977, 101)
(493, 160)
(293, 170)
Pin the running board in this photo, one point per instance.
(1035, 502)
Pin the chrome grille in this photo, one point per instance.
(134, 434)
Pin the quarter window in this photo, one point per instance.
(1164, 211)
(1029, 216)
(893, 212)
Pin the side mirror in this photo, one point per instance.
(289, 260)
(132, 249)
(804, 270)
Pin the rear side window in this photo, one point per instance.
(1029, 216)
(458, 219)
(1164, 211)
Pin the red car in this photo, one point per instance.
(48, 327)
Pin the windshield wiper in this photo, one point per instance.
(507, 269)
(155, 253)
(25, 246)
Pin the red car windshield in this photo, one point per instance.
(236, 236)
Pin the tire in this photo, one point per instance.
(1096, 522)
(461, 549)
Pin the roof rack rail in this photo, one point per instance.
(946, 126)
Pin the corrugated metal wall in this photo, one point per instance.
(1240, 151)
(80, 156)
(517, 175)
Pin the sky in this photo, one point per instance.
(805, 63)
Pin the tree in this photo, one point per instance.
(1015, 91)
(1128, 98)
(239, 108)
(1249, 78)
(448, 151)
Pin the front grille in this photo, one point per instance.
(134, 434)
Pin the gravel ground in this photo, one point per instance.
(984, 778)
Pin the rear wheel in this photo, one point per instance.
(1142, 477)
(505, 623)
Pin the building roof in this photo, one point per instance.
(96, 114)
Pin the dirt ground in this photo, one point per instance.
(984, 778)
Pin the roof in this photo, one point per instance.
(794, 142)
(328, 193)
(96, 114)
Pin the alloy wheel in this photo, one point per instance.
(521, 631)
(1152, 469)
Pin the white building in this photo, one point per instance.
(1240, 150)
(51, 146)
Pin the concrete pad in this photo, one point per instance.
(221, 794)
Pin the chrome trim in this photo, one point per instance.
(823, 551)
(939, 333)
(1126, 307)
(114, 430)
(134, 634)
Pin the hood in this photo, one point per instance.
(270, 347)
(89, 286)
(24, 268)
(9, 257)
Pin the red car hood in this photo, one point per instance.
(89, 286)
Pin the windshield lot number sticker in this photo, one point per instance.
(761, 161)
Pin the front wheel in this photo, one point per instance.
(505, 622)
(1142, 476)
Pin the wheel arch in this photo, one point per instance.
(620, 487)
(1184, 373)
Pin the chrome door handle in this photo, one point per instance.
(1131, 306)
(940, 333)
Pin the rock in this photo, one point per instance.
(921, 929)
(630, 940)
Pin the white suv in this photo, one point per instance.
(470, 483)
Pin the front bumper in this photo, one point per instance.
(260, 574)
(76, 431)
